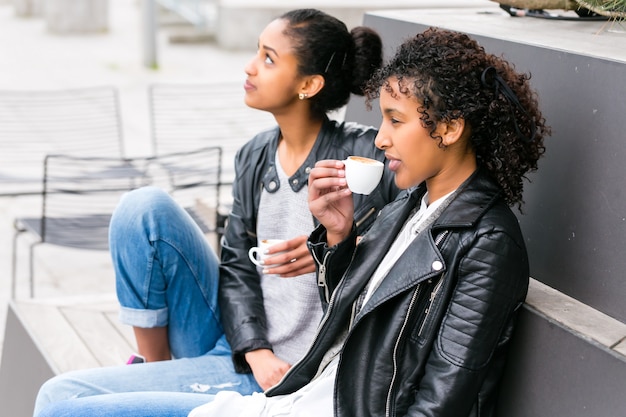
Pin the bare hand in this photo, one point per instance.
(330, 200)
(295, 259)
(266, 367)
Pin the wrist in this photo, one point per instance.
(253, 355)
(333, 239)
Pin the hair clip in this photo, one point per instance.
(329, 61)
(490, 78)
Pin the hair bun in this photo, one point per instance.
(368, 57)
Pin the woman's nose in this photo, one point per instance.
(250, 68)
(380, 141)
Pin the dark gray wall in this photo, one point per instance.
(575, 214)
(552, 372)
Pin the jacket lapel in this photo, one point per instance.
(376, 242)
(419, 262)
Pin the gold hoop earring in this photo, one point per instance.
(302, 96)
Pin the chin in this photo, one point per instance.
(405, 183)
(251, 104)
(400, 184)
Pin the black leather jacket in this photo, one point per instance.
(240, 297)
(431, 341)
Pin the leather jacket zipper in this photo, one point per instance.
(440, 237)
(395, 350)
(428, 309)
(321, 274)
(366, 216)
(435, 291)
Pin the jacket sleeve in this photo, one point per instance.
(240, 296)
(330, 262)
(491, 284)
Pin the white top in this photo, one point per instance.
(316, 398)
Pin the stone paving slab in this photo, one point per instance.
(33, 58)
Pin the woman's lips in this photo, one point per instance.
(248, 86)
(394, 164)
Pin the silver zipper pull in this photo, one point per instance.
(321, 276)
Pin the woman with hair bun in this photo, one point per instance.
(244, 334)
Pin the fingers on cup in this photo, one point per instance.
(259, 254)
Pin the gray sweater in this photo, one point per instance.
(292, 305)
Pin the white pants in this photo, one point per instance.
(313, 400)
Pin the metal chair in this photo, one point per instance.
(80, 194)
(84, 122)
(189, 116)
(185, 116)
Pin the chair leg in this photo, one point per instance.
(31, 268)
(17, 233)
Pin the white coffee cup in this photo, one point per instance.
(257, 253)
(363, 174)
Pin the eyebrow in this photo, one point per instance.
(269, 48)
(390, 110)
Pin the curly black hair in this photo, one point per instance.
(453, 77)
(346, 59)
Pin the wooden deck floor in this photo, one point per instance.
(46, 337)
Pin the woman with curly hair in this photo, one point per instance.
(430, 295)
(422, 308)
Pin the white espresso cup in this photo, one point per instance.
(257, 253)
(363, 174)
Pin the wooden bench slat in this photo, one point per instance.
(78, 332)
(105, 343)
(125, 331)
(56, 337)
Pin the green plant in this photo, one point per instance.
(611, 8)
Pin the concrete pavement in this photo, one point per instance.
(33, 58)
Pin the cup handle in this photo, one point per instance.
(252, 254)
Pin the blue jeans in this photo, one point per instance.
(142, 404)
(166, 275)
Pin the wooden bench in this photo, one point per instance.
(566, 358)
(44, 338)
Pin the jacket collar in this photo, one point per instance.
(299, 179)
(475, 196)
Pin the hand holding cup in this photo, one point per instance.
(258, 254)
(289, 258)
